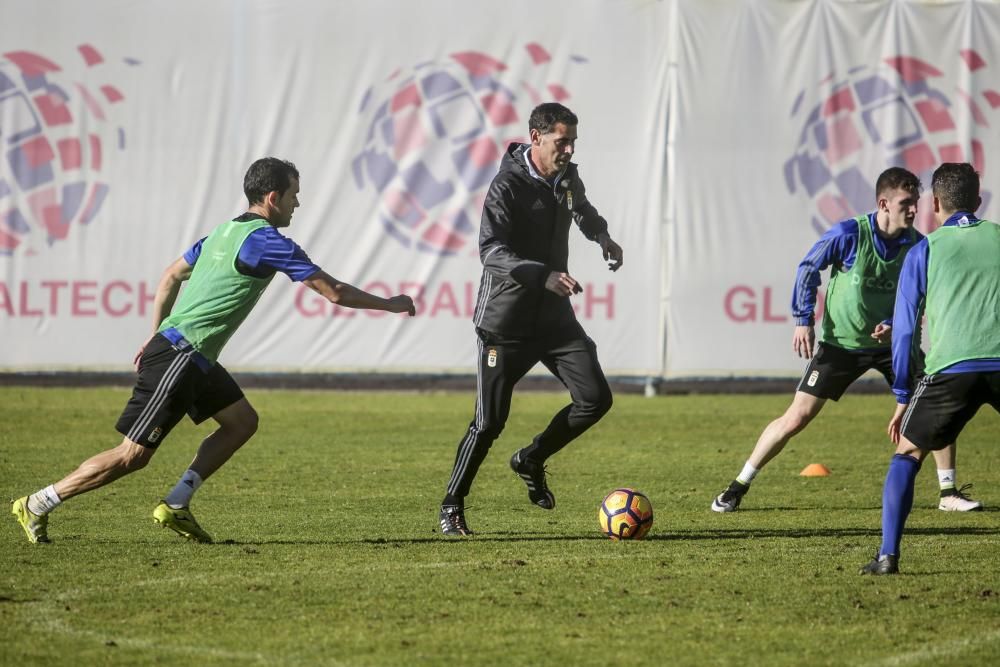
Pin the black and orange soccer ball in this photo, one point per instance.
(625, 514)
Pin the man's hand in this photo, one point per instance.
(896, 422)
(803, 341)
(612, 252)
(562, 284)
(138, 355)
(882, 333)
(402, 304)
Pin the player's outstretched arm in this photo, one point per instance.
(495, 232)
(612, 252)
(883, 332)
(166, 294)
(168, 288)
(896, 422)
(562, 284)
(804, 341)
(349, 296)
(585, 215)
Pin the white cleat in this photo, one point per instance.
(954, 500)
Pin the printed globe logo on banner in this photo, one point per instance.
(55, 135)
(903, 113)
(436, 134)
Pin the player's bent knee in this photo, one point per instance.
(794, 423)
(133, 456)
(601, 403)
(594, 408)
(600, 407)
(135, 464)
(606, 403)
(796, 420)
(241, 420)
(489, 433)
(250, 422)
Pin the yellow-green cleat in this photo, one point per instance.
(35, 527)
(181, 521)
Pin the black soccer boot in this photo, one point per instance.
(729, 500)
(533, 475)
(452, 519)
(885, 564)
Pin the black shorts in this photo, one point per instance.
(833, 369)
(170, 385)
(943, 404)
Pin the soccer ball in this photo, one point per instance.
(625, 514)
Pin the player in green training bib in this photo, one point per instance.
(225, 274)
(954, 277)
(865, 255)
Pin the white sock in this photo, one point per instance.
(44, 501)
(747, 474)
(181, 495)
(946, 478)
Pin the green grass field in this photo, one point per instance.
(327, 552)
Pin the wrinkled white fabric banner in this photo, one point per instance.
(718, 139)
(783, 115)
(127, 127)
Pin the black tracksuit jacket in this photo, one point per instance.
(523, 237)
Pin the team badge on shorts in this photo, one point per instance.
(813, 377)
(155, 435)
(491, 358)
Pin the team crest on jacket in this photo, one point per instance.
(569, 199)
(491, 358)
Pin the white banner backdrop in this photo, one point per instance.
(127, 128)
(719, 139)
(783, 115)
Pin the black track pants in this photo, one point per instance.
(572, 359)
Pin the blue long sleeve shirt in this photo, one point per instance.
(906, 317)
(837, 247)
(264, 252)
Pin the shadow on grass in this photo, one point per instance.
(852, 508)
(744, 511)
(674, 536)
(795, 533)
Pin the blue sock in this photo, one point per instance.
(897, 500)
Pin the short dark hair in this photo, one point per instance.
(268, 174)
(896, 178)
(545, 116)
(956, 185)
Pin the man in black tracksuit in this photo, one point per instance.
(523, 314)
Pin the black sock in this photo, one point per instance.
(452, 501)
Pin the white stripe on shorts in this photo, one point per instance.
(921, 386)
(166, 383)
